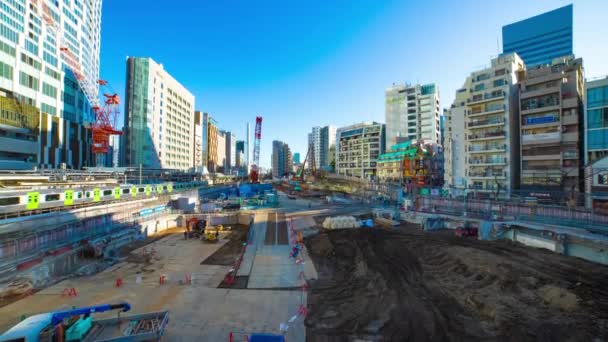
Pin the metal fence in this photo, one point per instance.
(489, 209)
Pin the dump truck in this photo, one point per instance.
(78, 325)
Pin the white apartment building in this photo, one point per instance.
(492, 127)
(221, 150)
(412, 112)
(159, 118)
(454, 149)
(322, 139)
(198, 142)
(357, 149)
(45, 111)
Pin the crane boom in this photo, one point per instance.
(256, 150)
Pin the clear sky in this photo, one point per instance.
(306, 63)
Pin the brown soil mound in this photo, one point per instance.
(380, 285)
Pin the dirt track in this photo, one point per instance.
(413, 286)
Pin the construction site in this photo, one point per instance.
(319, 265)
(132, 255)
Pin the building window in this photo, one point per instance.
(49, 90)
(28, 81)
(6, 71)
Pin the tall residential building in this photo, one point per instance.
(454, 149)
(159, 118)
(221, 152)
(322, 139)
(247, 149)
(412, 112)
(281, 159)
(230, 152)
(210, 153)
(296, 158)
(551, 118)
(198, 141)
(240, 154)
(357, 149)
(492, 127)
(540, 39)
(44, 110)
(596, 119)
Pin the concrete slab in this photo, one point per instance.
(198, 311)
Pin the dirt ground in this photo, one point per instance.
(406, 285)
(227, 254)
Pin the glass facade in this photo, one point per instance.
(597, 118)
(540, 39)
(137, 140)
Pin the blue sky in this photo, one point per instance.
(306, 63)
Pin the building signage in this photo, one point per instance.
(540, 120)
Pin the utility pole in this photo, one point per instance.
(139, 173)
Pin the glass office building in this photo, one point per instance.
(596, 119)
(540, 39)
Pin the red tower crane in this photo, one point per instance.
(105, 117)
(255, 167)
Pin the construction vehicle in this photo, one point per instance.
(254, 174)
(196, 227)
(78, 325)
(211, 235)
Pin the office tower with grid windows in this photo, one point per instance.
(44, 109)
(159, 118)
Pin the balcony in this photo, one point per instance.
(486, 123)
(570, 137)
(488, 136)
(485, 98)
(485, 187)
(488, 175)
(570, 119)
(487, 161)
(486, 111)
(485, 148)
(569, 101)
(541, 138)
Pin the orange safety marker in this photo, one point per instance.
(118, 282)
(161, 280)
(69, 292)
(188, 279)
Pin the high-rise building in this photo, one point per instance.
(230, 152)
(322, 139)
(198, 142)
(281, 159)
(412, 112)
(240, 154)
(596, 119)
(551, 118)
(210, 150)
(454, 149)
(296, 158)
(159, 118)
(44, 109)
(247, 148)
(540, 39)
(492, 128)
(357, 149)
(221, 151)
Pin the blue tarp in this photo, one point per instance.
(266, 338)
(250, 190)
(433, 223)
(490, 231)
